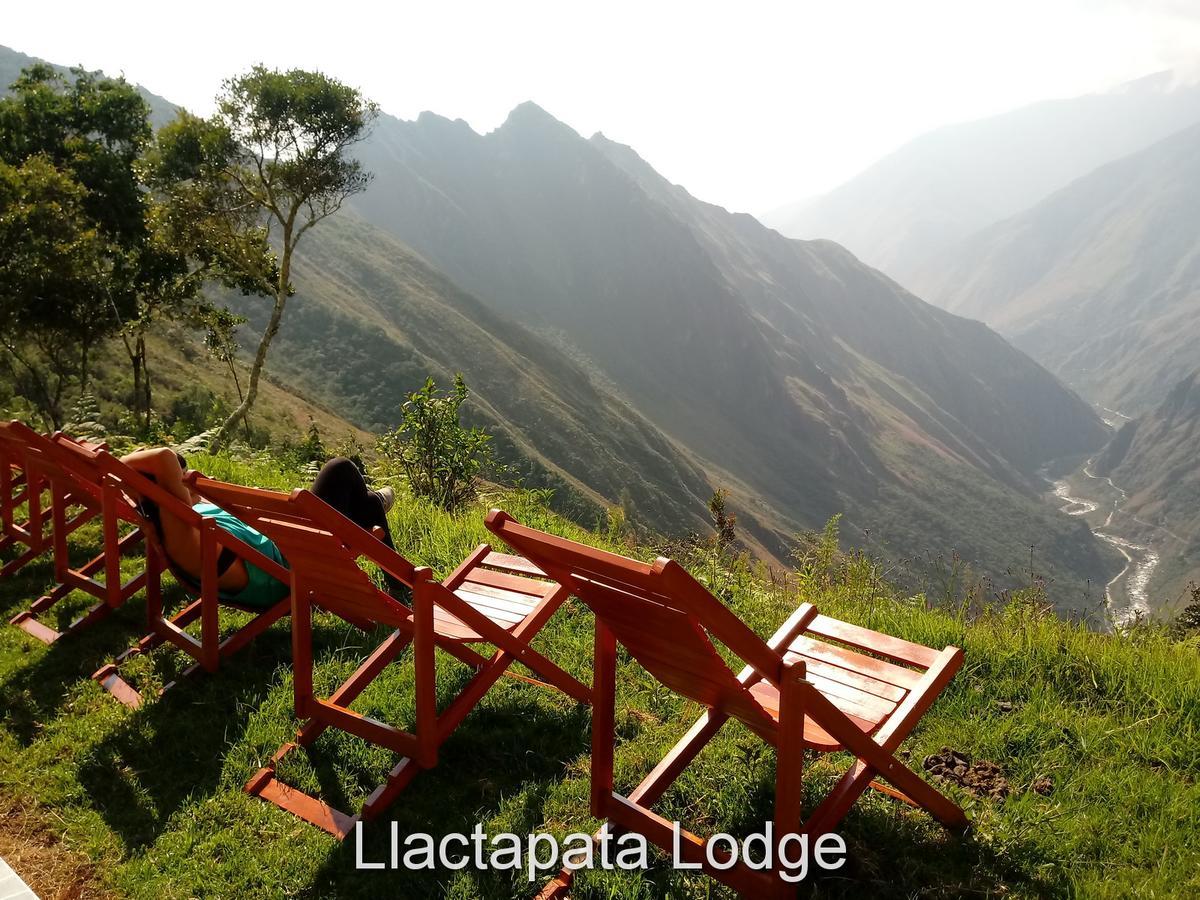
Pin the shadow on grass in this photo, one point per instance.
(41, 678)
(172, 748)
(498, 769)
(171, 752)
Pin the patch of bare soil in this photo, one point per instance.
(51, 870)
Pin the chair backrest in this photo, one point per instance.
(322, 548)
(51, 456)
(135, 492)
(19, 441)
(664, 618)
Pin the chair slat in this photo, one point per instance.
(855, 662)
(894, 648)
(853, 702)
(447, 625)
(521, 602)
(512, 563)
(496, 610)
(515, 583)
(852, 679)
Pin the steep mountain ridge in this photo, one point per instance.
(371, 321)
(902, 212)
(13, 61)
(1100, 281)
(1153, 458)
(808, 382)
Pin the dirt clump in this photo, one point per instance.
(982, 778)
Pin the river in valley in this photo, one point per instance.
(1126, 595)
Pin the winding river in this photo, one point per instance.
(1140, 559)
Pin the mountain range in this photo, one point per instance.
(1100, 281)
(622, 337)
(903, 212)
(805, 382)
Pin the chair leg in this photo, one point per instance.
(789, 765)
(384, 654)
(72, 579)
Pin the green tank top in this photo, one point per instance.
(261, 589)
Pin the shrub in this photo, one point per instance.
(439, 457)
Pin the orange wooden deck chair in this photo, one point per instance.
(819, 684)
(490, 599)
(22, 485)
(68, 470)
(26, 533)
(151, 506)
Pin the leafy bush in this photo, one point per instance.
(194, 410)
(439, 457)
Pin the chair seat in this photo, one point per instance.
(815, 737)
(865, 688)
(499, 587)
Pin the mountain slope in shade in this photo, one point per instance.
(805, 381)
(371, 320)
(1100, 281)
(900, 213)
(1154, 459)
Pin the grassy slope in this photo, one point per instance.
(153, 796)
(372, 320)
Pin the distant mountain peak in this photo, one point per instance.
(430, 118)
(529, 117)
(1154, 83)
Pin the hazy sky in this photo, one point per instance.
(749, 105)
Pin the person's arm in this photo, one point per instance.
(162, 464)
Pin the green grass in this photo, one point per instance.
(153, 797)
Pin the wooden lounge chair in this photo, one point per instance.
(153, 503)
(490, 599)
(68, 470)
(818, 684)
(27, 532)
(21, 485)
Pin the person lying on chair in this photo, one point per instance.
(339, 483)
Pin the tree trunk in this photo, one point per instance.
(144, 397)
(136, 363)
(237, 383)
(260, 358)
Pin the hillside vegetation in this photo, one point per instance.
(374, 320)
(148, 803)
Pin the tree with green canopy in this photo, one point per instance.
(278, 147)
(71, 213)
(53, 263)
(160, 233)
